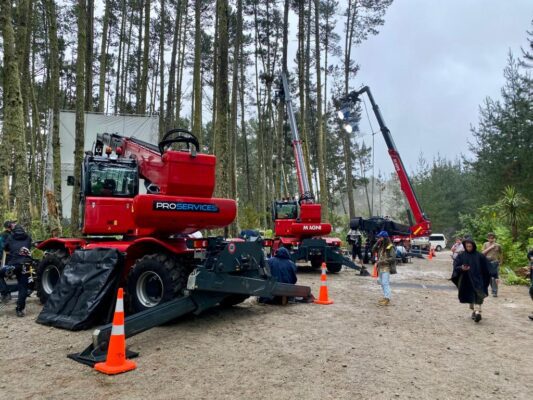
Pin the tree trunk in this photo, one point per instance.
(23, 47)
(89, 53)
(120, 56)
(324, 201)
(162, 73)
(13, 125)
(280, 147)
(169, 118)
(79, 142)
(54, 101)
(243, 129)
(197, 75)
(350, 23)
(139, 58)
(126, 66)
(222, 146)
(213, 138)
(181, 64)
(141, 109)
(261, 179)
(234, 100)
(103, 63)
(301, 82)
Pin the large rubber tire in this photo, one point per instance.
(155, 279)
(334, 267)
(316, 263)
(49, 271)
(439, 248)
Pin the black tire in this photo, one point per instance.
(334, 267)
(438, 248)
(49, 272)
(155, 279)
(316, 263)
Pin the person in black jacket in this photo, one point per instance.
(8, 227)
(18, 245)
(472, 275)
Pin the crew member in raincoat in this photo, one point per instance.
(283, 269)
(472, 275)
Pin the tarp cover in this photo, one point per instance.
(377, 224)
(85, 292)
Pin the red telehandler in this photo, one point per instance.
(297, 224)
(166, 273)
(422, 225)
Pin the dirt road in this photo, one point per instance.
(423, 346)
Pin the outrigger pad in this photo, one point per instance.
(85, 291)
(92, 355)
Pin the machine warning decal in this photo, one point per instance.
(181, 206)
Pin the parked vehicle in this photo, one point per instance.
(438, 241)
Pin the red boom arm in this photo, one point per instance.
(423, 225)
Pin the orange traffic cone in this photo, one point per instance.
(116, 352)
(375, 271)
(323, 294)
(430, 255)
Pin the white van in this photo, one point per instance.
(438, 241)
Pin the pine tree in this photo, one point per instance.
(13, 126)
(79, 141)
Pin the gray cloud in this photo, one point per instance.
(432, 65)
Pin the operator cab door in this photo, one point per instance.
(109, 187)
(284, 214)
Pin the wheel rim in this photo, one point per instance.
(50, 278)
(149, 289)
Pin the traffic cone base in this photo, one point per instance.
(105, 368)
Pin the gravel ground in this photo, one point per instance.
(423, 346)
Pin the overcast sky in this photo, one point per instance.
(432, 65)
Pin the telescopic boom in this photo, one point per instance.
(301, 170)
(423, 225)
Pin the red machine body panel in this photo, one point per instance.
(67, 243)
(108, 215)
(310, 212)
(177, 173)
(172, 214)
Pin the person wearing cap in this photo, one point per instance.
(18, 244)
(493, 252)
(472, 274)
(386, 261)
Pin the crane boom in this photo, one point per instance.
(423, 225)
(301, 170)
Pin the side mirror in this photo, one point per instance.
(70, 180)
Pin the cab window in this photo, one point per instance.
(112, 180)
(287, 210)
